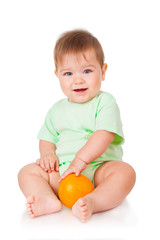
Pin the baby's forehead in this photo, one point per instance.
(77, 57)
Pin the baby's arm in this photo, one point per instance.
(48, 160)
(94, 148)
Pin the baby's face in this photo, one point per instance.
(80, 76)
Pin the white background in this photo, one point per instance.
(129, 33)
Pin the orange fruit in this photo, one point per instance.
(73, 187)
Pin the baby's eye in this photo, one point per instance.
(68, 74)
(87, 71)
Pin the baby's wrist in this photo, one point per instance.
(80, 164)
(81, 158)
(82, 161)
(44, 154)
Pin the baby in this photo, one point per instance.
(81, 134)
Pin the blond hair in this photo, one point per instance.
(77, 41)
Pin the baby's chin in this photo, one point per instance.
(81, 99)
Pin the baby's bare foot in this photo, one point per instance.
(83, 209)
(37, 206)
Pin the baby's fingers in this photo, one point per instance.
(51, 163)
(57, 165)
(42, 165)
(66, 173)
(47, 165)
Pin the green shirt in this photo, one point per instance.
(69, 125)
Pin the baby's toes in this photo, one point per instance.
(84, 220)
(28, 206)
(84, 214)
(32, 215)
(29, 209)
(84, 209)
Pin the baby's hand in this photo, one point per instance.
(48, 162)
(76, 166)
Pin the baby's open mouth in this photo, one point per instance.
(80, 90)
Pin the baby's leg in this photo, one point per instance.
(40, 189)
(113, 180)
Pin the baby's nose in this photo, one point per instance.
(78, 79)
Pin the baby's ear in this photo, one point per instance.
(104, 68)
(55, 71)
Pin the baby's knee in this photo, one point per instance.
(28, 169)
(123, 171)
(128, 174)
(131, 172)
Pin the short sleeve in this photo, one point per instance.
(47, 131)
(108, 118)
